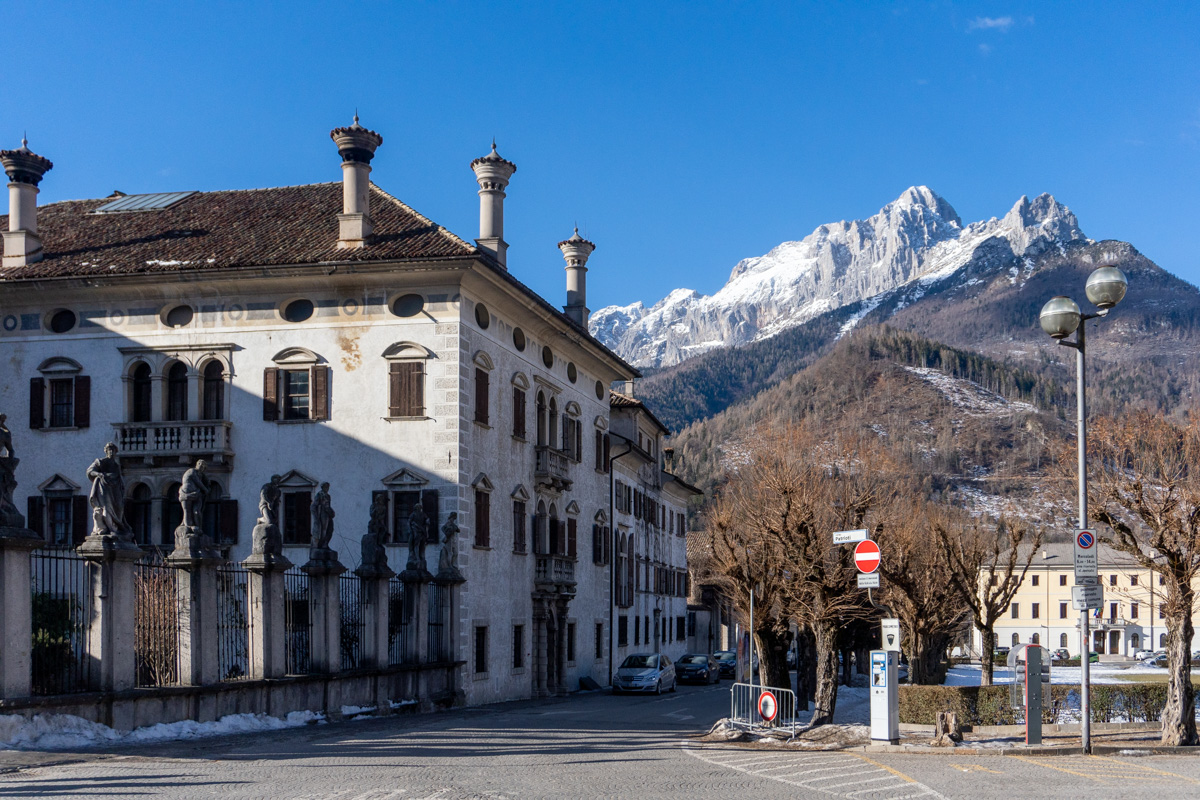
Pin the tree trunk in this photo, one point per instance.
(1179, 714)
(806, 668)
(847, 666)
(925, 653)
(987, 638)
(825, 633)
(772, 658)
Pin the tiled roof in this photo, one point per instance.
(618, 400)
(227, 229)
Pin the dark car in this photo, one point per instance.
(697, 668)
(726, 663)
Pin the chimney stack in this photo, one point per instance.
(492, 172)
(628, 389)
(25, 169)
(357, 146)
(576, 251)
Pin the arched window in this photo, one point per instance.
(542, 436)
(1162, 640)
(1016, 639)
(172, 515)
(1135, 641)
(177, 385)
(140, 401)
(214, 391)
(1062, 640)
(552, 425)
(1037, 639)
(137, 512)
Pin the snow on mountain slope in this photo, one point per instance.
(917, 237)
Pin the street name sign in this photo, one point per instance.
(846, 537)
(870, 581)
(1087, 561)
(1085, 598)
(866, 556)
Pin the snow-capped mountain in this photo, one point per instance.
(917, 237)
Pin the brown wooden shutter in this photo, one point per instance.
(319, 407)
(37, 403)
(396, 390)
(481, 396)
(83, 401)
(271, 394)
(429, 504)
(607, 465)
(483, 519)
(36, 516)
(572, 533)
(227, 520)
(80, 516)
(303, 526)
(578, 440)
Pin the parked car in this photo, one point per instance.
(1061, 654)
(645, 672)
(1142, 655)
(1093, 658)
(726, 663)
(1157, 661)
(698, 668)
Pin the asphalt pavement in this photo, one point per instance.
(584, 746)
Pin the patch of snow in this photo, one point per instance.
(970, 396)
(867, 307)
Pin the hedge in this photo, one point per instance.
(989, 705)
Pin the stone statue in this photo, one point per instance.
(418, 537)
(448, 558)
(267, 541)
(11, 518)
(193, 491)
(374, 554)
(322, 518)
(107, 496)
(6, 438)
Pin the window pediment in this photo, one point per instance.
(297, 356)
(601, 517)
(520, 494)
(483, 361)
(295, 479)
(60, 365)
(405, 479)
(520, 381)
(601, 423)
(573, 508)
(572, 409)
(482, 483)
(57, 483)
(401, 350)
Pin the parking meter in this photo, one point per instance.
(1031, 671)
(885, 697)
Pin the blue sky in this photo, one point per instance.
(680, 137)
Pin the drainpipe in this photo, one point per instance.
(612, 561)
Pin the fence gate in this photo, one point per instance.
(233, 633)
(750, 710)
(62, 601)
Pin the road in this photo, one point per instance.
(588, 745)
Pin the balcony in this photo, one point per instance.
(550, 469)
(191, 438)
(556, 570)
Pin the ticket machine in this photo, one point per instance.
(885, 697)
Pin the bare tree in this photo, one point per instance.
(1146, 489)
(918, 587)
(986, 566)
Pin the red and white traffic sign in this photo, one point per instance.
(768, 706)
(866, 556)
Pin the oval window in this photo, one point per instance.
(298, 310)
(572, 373)
(519, 340)
(547, 356)
(482, 316)
(179, 316)
(408, 305)
(599, 390)
(62, 320)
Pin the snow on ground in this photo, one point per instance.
(64, 731)
(972, 398)
(970, 674)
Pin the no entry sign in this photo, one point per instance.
(768, 706)
(866, 556)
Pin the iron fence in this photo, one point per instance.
(353, 616)
(233, 629)
(297, 621)
(156, 623)
(439, 610)
(62, 600)
(749, 708)
(399, 610)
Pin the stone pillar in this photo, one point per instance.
(111, 633)
(325, 613)
(198, 604)
(268, 621)
(16, 610)
(375, 579)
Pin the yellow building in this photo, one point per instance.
(1131, 618)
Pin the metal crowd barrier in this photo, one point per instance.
(745, 710)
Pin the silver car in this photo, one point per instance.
(648, 672)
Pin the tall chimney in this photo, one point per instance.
(492, 172)
(25, 169)
(357, 146)
(576, 251)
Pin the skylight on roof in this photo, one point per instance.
(143, 202)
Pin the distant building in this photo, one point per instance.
(329, 332)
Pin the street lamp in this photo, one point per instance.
(1061, 317)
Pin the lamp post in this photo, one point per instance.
(1061, 317)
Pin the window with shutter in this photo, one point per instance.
(518, 412)
(35, 514)
(320, 392)
(406, 392)
(297, 519)
(518, 526)
(37, 403)
(271, 394)
(80, 517)
(227, 521)
(572, 533)
(481, 396)
(403, 504)
(83, 401)
(483, 533)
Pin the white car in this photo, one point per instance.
(1142, 655)
(649, 672)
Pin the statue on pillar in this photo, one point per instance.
(374, 555)
(448, 557)
(107, 497)
(319, 551)
(12, 521)
(6, 438)
(190, 539)
(267, 542)
(418, 537)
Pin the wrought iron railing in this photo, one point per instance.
(400, 628)
(62, 596)
(233, 629)
(297, 622)
(156, 623)
(353, 616)
(439, 612)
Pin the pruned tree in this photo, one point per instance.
(1145, 487)
(917, 584)
(987, 563)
